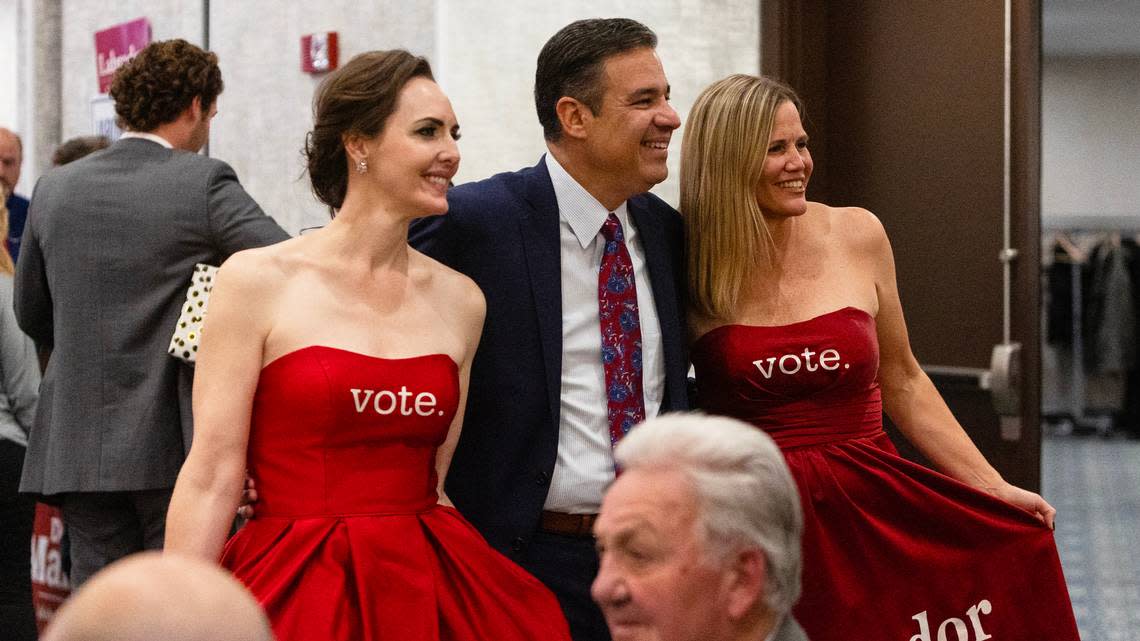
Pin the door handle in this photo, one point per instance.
(1002, 380)
(1005, 378)
(979, 375)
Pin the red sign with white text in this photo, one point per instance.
(50, 583)
(116, 45)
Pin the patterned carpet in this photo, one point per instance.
(1094, 483)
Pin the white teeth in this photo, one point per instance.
(791, 184)
(657, 145)
(439, 180)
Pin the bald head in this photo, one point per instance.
(152, 597)
(11, 156)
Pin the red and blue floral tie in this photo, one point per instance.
(621, 332)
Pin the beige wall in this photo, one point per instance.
(80, 19)
(9, 72)
(1090, 137)
(266, 109)
(484, 57)
(483, 53)
(489, 51)
(36, 89)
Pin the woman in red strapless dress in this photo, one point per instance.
(334, 367)
(798, 329)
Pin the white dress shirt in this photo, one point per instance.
(585, 463)
(147, 136)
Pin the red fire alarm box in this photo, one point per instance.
(319, 52)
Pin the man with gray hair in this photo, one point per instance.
(699, 537)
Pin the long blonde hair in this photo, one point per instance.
(722, 157)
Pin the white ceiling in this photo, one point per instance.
(1091, 27)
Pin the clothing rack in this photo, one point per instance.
(1080, 420)
(1058, 233)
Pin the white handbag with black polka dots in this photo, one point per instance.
(188, 330)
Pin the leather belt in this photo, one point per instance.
(577, 525)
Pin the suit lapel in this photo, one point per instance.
(540, 235)
(657, 258)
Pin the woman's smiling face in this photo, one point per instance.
(781, 190)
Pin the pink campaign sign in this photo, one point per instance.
(116, 45)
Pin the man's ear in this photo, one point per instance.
(746, 575)
(194, 111)
(574, 115)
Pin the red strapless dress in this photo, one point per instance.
(349, 542)
(892, 550)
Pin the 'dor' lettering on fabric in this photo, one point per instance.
(961, 631)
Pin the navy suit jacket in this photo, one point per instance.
(17, 214)
(503, 232)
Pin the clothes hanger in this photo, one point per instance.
(1074, 253)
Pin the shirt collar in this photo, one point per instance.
(578, 207)
(147, 136)
(775, 629)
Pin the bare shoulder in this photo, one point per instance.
(262, 270)
(450, 289)
(855, 221)
(858, 228)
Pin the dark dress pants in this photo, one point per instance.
(105, 526)
(17, 617)
(567, 565)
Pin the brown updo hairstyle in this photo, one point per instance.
(354, 100)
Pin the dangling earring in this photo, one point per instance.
(361, 166)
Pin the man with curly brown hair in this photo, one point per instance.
(110, 245)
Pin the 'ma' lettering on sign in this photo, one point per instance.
(47, 562)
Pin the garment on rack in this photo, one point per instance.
(1059, 284)
(1110, 330)
(1130, 418)
(1095, 362)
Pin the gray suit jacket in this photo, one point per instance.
(108, 249)
(19, 373)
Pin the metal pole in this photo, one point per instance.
(1008, 252)
(206, 46)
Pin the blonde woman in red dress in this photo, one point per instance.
(799, 330)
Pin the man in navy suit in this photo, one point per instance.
(534, 457)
